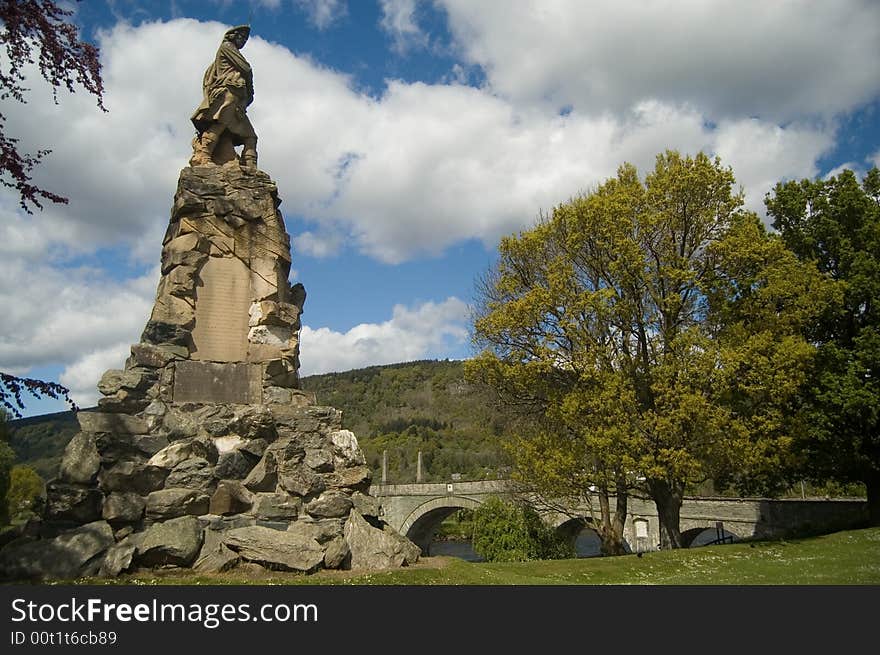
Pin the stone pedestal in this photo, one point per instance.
(203, 451)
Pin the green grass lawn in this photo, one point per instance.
(842, 558)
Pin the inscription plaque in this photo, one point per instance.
(211, 382)
(223, 299)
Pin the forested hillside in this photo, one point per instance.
(419, 406)
(402, 408)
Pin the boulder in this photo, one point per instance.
(300, 481)
(178, 452)
(275, 506)
(319, 459)
(123, 506)
(337, 554)
(275, 549)
(132, 476)
(119, 556)
(111, 423)
(215, 557)
(192, 473)
(175, 542)
(145, 354)
(72, 554)
(321, 530)
(330, 504)
(374, 548)
(364, 503)
(346, 448)
(131, 380)
(356, 477)
(172, 503)
(179, 425)
(81, 461)
(264, 475)
(231, 497)
(235, 465)
(69, 502)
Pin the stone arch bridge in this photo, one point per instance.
(416, 510)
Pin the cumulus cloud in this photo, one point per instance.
(414, 171)
(776, 60)
(323, 13)
(320, 245)
(399, 22)
(413, 333)
(81, 376)
(68, 316)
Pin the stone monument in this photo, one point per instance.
(204, 452)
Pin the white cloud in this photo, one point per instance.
(412, 333)
(413, 172)
(763, 154)
(320, 245)
(82, 376)
(875, 159)
(399, 22)
(775, 60)
(323, 13)
(68, 316)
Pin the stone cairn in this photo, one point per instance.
(204, 452)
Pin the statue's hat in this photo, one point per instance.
(239, 29)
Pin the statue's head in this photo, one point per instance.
(238, 35)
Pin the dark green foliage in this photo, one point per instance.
(418, 406)
(510, 532)
(7, 457)
(836, 224)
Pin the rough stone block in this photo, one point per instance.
(275, 549)
(81, 461)
(177, 542)
(192, 473)
(113, 423)
(123, 506)
(231, 497)
(69, 502)
(132, 476)
(275, 506)
(171, 503)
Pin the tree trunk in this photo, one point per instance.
(872, 485)
(610, 529)
(667, 498)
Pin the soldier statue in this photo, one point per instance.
(221, 120)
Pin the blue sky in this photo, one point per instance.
(406, 137)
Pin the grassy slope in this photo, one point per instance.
(843, 558)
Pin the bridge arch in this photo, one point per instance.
(581, 530)
(421, 523)
(707, 535)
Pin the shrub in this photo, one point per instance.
(508, 532)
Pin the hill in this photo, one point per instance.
(418, 406)
(401, 408)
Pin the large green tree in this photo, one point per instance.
(835, 223)
(651, 329)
